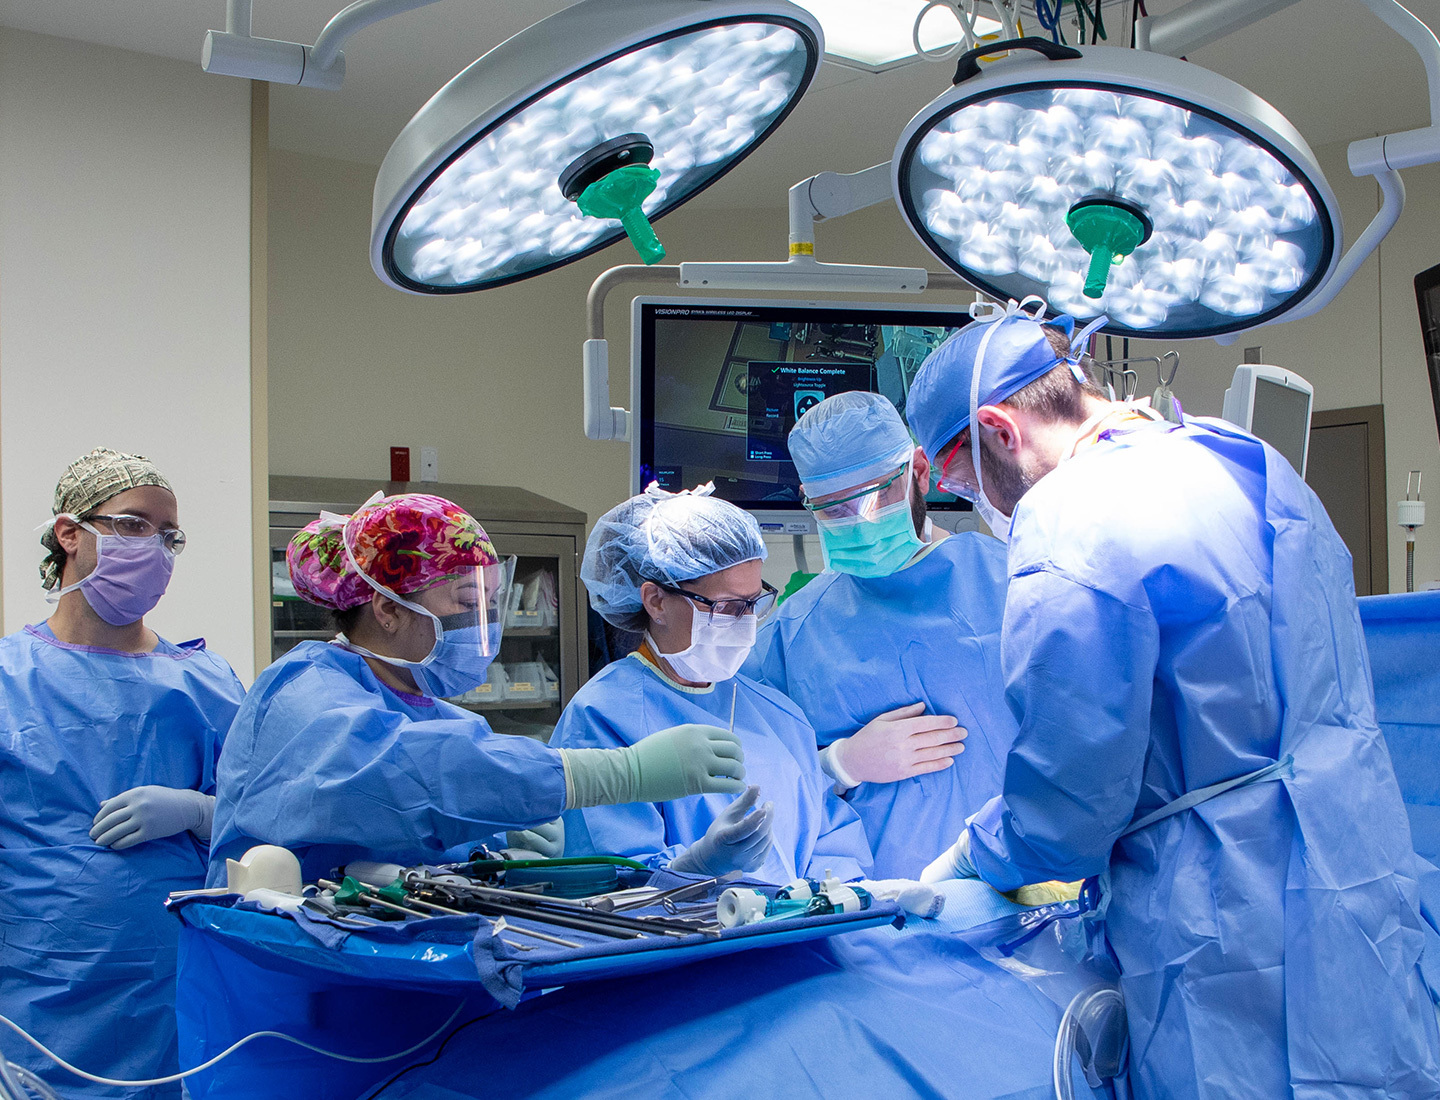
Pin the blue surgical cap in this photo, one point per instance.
(939, 401)
(665, 537)
(847, 440)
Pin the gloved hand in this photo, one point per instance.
(149, 813)
(737, 839)
(669, 764)
(546, 841)
(898, 744)
(918, 898)
(954, 862)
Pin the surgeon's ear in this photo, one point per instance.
(1003, 428)
(921, 466)
(67, 534)
(652, 596)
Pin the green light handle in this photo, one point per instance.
(1099, 273)
(642, 235)
(618, 195)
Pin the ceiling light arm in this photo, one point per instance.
(1382, 156)
(1199, 23)
(236, 52)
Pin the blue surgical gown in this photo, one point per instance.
(846, 649)
(325, 760)
(87, 950)
(626, 701)
(1181, 612)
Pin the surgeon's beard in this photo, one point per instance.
(1005, 481)
(918, 511)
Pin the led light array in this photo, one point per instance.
(700, 98)
(1234, 231)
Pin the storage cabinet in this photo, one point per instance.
(544, 654)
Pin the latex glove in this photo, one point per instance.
(546, 841)
(1045, 893)
(918, 898)
(670, 764)
(737, 839)
(954, 862)
(898, 744)
(149, 813)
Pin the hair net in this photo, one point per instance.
(847, 440)
(87, 483)
(939, 400)
(407, 543)
(665, 537)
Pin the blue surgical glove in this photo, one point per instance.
(954, 862)
(546, 841)
(149, 813)
(737, 840)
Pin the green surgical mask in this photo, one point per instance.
(873, 546)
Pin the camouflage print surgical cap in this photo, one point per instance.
(87, 483)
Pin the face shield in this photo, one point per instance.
(467, 611)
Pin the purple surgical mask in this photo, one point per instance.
(129, 577)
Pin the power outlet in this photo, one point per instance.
(429, 463)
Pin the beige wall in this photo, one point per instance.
(125, 309)
(493, 379)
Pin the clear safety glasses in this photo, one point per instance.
(957, 472)
(471, 608)
(760, 606)
(138, 527)
(863, 502)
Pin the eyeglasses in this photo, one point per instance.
(138, 527)
(760, 606)
(947, 484)
(861, 502)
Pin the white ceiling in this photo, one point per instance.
(1329, 65)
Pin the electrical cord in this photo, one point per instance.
(231, 1049)
(428, 1061)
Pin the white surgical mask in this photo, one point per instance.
(718, 647)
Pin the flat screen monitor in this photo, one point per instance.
(1427, 295)
(1274, 404)
(719, 384)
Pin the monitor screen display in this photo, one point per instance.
(1281, 417)
(720, 385)
(1427, 295)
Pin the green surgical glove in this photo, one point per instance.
(546, 841)
(670, 764)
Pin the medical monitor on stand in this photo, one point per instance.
(1273, 404)
(717, 386)
(1427, 295)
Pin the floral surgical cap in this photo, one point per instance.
(406, 543)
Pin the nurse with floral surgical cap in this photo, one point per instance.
(348, 750)
(684, 568)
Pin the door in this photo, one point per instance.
(1347, 471)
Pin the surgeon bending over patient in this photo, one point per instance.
(108, 740)
(348, 750)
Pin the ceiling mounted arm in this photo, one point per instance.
(236, 52)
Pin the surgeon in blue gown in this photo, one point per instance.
(109, 735)
(903, 614)
(348, 750)
(1181, 616)
(685, 569)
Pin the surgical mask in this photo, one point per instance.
(459, 661)
(870, 546)
(718, 647)
(130, 576)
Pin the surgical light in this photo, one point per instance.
(678, 92)
(877, 33)
(1124, 182)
